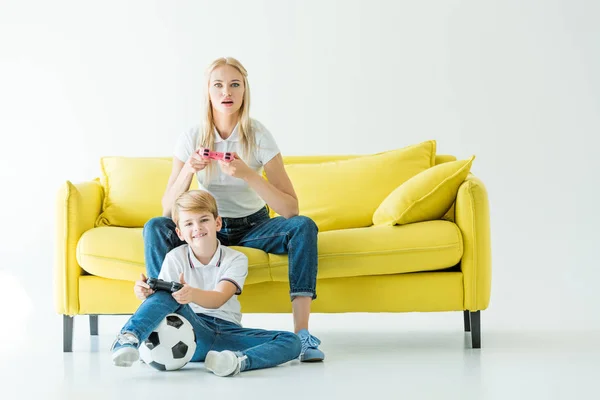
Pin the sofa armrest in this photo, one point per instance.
(472, 215)
(77, 207)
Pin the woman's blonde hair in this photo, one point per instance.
(245, 132)
(196, 201)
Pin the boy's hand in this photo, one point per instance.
(141, 288)
(185, 294)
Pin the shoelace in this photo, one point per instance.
(238, 368)
(309, 341)
(127, 339)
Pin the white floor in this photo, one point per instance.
(396, 356)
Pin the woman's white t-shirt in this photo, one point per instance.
(234, 197)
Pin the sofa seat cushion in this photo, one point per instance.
(118, 253)
(382, 250)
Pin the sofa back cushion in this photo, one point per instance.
(344, 194)
(133, 187)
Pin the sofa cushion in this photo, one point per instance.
(344, 194)
(133, 189)
(424, 197)
(288, 160)
(382, 250)
(118, 253)
(133, 186)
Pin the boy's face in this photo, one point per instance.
(198, 229)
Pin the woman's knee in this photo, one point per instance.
(158, 226)
(305, 225)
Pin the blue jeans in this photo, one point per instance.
(296, 236)
(264, 349)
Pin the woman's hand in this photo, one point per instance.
(196, 162)
(141, 288)
(184, 295)
(236, 168)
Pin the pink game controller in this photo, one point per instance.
(215, 155)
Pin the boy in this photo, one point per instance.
(212, 276)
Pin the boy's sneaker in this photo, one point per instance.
(223, 363)
(124, 350)
(310, 347)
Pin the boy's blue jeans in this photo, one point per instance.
(296, 236)
(264, 349)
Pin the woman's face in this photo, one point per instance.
(226, 89)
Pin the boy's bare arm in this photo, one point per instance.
(213, 299)
(209, 299)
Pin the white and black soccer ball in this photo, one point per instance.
(171, 345)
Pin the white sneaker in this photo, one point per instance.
(223, 363)
(124, 350)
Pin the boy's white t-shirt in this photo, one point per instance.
(226, 265)
(234, 197)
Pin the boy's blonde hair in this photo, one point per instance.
(196, 201)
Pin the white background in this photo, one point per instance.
(514, 82)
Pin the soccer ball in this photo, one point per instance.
(171, 345)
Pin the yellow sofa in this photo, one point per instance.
(439, 265)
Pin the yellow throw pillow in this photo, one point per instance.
(133, 189)
(425, 197)
(344, 194)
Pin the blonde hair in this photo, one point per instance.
(196, 201)
(245, 131)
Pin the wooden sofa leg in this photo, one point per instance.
(476, 329)
(467, 318)
(93, 325)
(67, 334)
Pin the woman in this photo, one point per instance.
(241, 193)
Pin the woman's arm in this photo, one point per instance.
(179, 182)
(278, 192)
(181, 179)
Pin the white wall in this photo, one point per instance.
(514, 82)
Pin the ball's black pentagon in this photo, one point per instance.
(158, 366)
(179, 350)
(152, 340)
(174, 321)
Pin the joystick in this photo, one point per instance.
(215, 155)
(159, 284)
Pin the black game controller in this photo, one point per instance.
(159, 284)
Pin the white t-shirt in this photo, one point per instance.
(234, 197)
(226, 265)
